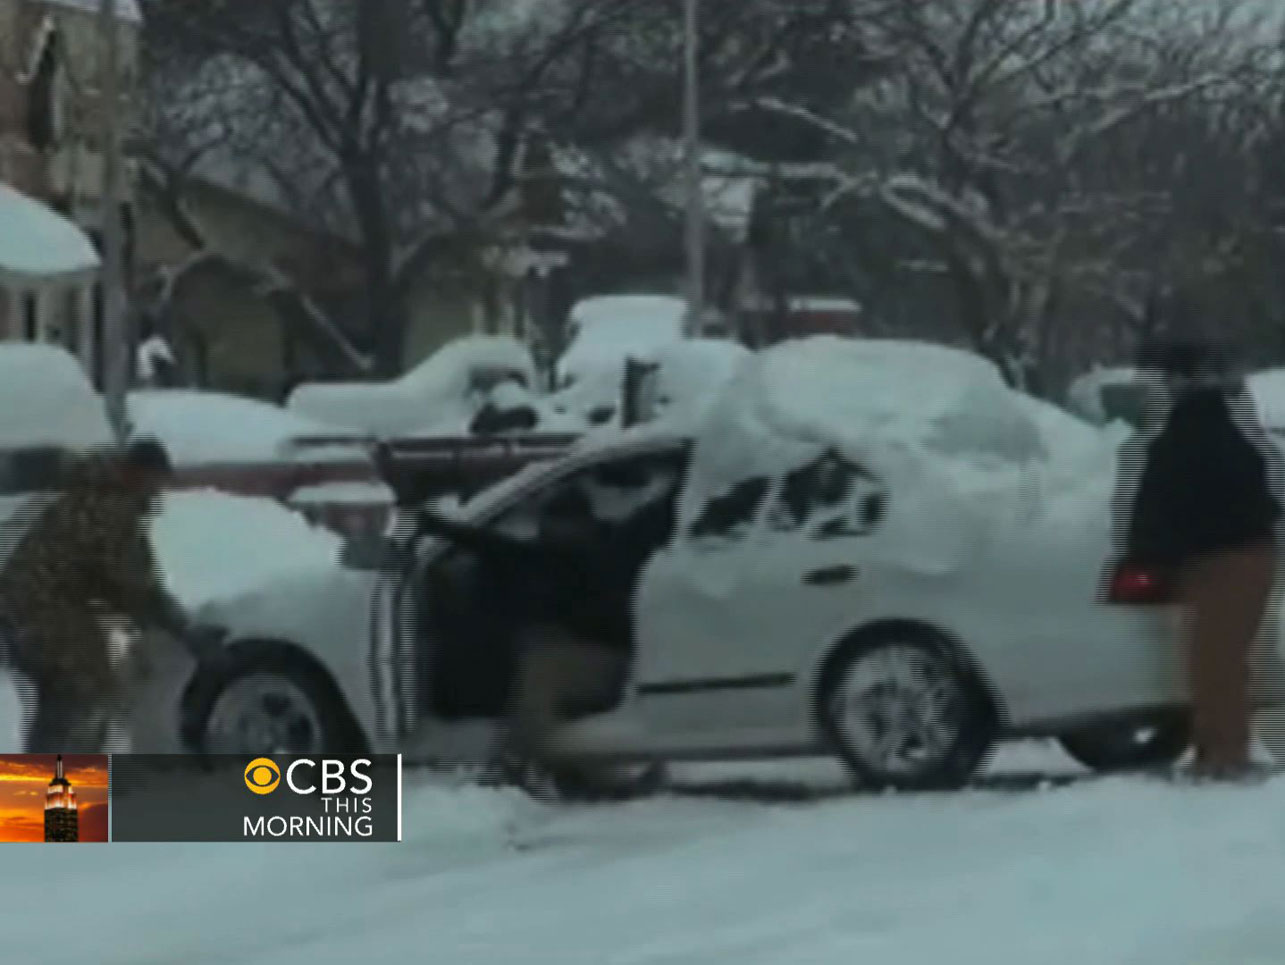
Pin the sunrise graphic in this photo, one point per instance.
(53, 797)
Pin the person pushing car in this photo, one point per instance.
(1205, 508)
(86, 561)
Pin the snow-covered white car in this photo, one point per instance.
(46, 403)
(897, 607)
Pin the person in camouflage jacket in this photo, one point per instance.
(85, 561)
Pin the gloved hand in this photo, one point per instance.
(205, 640)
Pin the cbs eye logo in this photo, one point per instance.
(262, 775)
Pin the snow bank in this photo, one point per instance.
(37, 240)
(610, 328)
(212, 545)
(438, 395)
(1268, 392)
(46, 399)
(1101, 873)
(210, 427)
(1086, 396)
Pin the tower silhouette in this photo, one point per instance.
(62, 813)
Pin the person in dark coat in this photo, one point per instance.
(85, 562)
(568, 596)
(1205, 510)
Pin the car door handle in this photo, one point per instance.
(830, 575)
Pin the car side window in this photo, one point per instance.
(730, 517)
(829, 498)
(613, 490)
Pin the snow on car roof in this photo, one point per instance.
(610, 328)
(862, 394)
(47, 399)
(938, 426)
(207, 427)
(432, 396)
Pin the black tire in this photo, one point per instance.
(338, 731)
(968, 732)
(1132, 746)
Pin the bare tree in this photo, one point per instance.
(1026, 159)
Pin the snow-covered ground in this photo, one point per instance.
(1116, 872)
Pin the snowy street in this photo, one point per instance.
(864, 420)
(1114, 872)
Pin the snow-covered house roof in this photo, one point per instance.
(127, 10)
(39, 244)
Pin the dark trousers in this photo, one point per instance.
(70, 722)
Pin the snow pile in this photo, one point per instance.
(212, 545)
(953, 444)
(1100, 873)
(46, 399)
(611, 328)
(36, 240)
(442, 394)
(210, 427)
(1082, 455)
(1268, 392)
(1102, 394)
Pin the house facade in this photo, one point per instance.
(51, 153)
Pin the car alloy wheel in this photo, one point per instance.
(904, 712)
(898, 709)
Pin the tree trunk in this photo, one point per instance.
(387, 318)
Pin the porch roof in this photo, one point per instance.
(39, 247)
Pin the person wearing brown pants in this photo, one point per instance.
(1206, 509)
(1224, 596)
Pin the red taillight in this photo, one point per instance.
(1140, 585)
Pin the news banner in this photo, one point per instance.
(140, 798)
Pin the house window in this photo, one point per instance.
(42, 106)
(30, 318)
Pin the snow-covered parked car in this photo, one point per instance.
(46, 402)
(254, 448)
(1108, 394)
(878, 554)
(442, 395)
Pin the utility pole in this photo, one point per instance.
(695, 187)
(115, 337)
